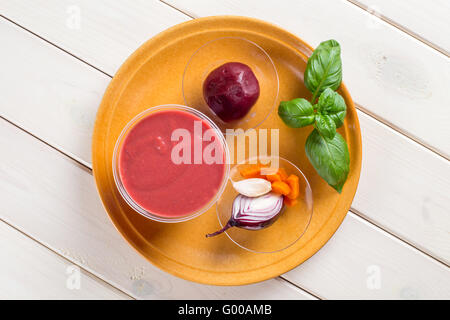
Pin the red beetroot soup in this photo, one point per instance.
(154, 180)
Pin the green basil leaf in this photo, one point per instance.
(325, 125)
(296, 113)
(330, 158)
(332, 104)
(324, 68)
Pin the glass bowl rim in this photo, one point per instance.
(256, 45)
(115, 164)
(307, 224)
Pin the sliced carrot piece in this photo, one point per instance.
(294, 185)
(273, 177)
(252, 171)
(290, 202)
(281, 187)
(282, 173)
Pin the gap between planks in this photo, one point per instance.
(367, 219)
(397, 129)
(56, 46)
(87, 167)
(399, 27)
(179, 10)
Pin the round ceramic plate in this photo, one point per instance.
(153, 76)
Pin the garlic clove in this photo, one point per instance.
(253, 187)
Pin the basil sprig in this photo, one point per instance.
(325, 148)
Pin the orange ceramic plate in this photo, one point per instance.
(152, 76)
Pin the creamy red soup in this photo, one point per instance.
(154, 180)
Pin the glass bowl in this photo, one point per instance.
(217, 52)
(285, 231)
(116, 157)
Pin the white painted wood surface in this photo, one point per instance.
(101, 32)
(428, 20)
(404, 188)
(50, 94)
(390, 74)
(358, 263)
(30, 271)
(32, 173)
(412, 208)
(63, 94)
(55, 202)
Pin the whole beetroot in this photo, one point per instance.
(231, 90)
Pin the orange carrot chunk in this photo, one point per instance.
(290, 202)
(294, 185)
(281, 187)
(273, 177)
(252, 171)
(282, 173)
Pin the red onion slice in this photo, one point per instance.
(254, 213)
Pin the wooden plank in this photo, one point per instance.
(405, 188)
(31, 271)
(65, 117)
(55, 202)
(361, 263)
(426, 20)
(50, 91)
(101, 32)
(395, 77)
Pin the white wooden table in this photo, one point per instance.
(58, 56)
